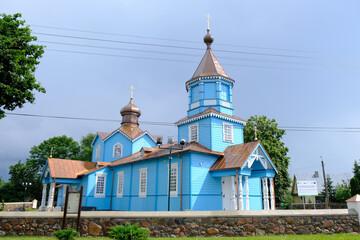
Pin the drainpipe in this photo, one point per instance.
(112, 187)
(181, 181)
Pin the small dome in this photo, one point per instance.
(208, 39)
(130, 108)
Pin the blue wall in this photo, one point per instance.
(205, 189)
(98, 142)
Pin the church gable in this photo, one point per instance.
(259, 160)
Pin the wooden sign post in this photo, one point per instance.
(73, 201)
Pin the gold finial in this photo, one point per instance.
(132, 91)
(51, 151)
(208, 21)
(255, 130)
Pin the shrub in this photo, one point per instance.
(128, 232)
(66, 234)
(2, 205)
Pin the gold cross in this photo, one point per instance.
(208, 20)
(255, 130)
(132, 91)
(51, 151)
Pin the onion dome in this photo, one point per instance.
(208, 39)
(130, 114)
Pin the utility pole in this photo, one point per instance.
(326, 189)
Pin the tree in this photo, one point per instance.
(331, 189)
(61, 147)
(355, 181)
(342, 192)
(18, 60)
(270, 136)
(85, 148)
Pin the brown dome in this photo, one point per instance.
(130, 114)
(208, 39)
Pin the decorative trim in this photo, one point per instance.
(209, 79)
(132, 140)
(210, 115)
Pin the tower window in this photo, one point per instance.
(228, 132)
(194, 133)
(142, 182)
(97, 153)
(117, 151)
(100, 184)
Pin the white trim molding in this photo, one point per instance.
(192, 128)
(120, 185)
(210, 115)
(100, 185)
(142, 182)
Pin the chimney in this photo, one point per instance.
(316, 174)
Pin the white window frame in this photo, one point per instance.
(227, 138)
(121, 150)
(120, 186)
(97, 152)
(142, 194)
(197, 131)
(96, 194)
(176, 167)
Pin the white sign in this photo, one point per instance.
(73, 202)
(307, 188)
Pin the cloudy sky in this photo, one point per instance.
(295, 61)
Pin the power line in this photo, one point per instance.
(195, 55)
(193, 48)
(175, 40)
(299, 128)
(174, 60)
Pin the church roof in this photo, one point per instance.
(65, 168)
(130, 131)
(156, 152)
(103, 135)
(235, 156)
(209, 66)
(209, 112)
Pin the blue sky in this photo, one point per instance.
(316, 84)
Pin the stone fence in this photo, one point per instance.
(12, 205)
(188, 223)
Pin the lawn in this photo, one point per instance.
(286, 237)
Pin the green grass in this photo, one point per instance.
(278, 237)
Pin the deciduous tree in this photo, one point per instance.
(270, 136)
(19, 57)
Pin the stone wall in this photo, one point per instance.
(13, 205)
(181, 225)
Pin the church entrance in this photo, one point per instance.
(228, 193)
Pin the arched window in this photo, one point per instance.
(117, 150)
(97, 154)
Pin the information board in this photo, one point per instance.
(73, 202)
(307, 188)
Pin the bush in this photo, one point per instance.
(2, 205)
(128, 232)
(66, 234)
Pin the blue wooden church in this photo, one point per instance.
(208, 168)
